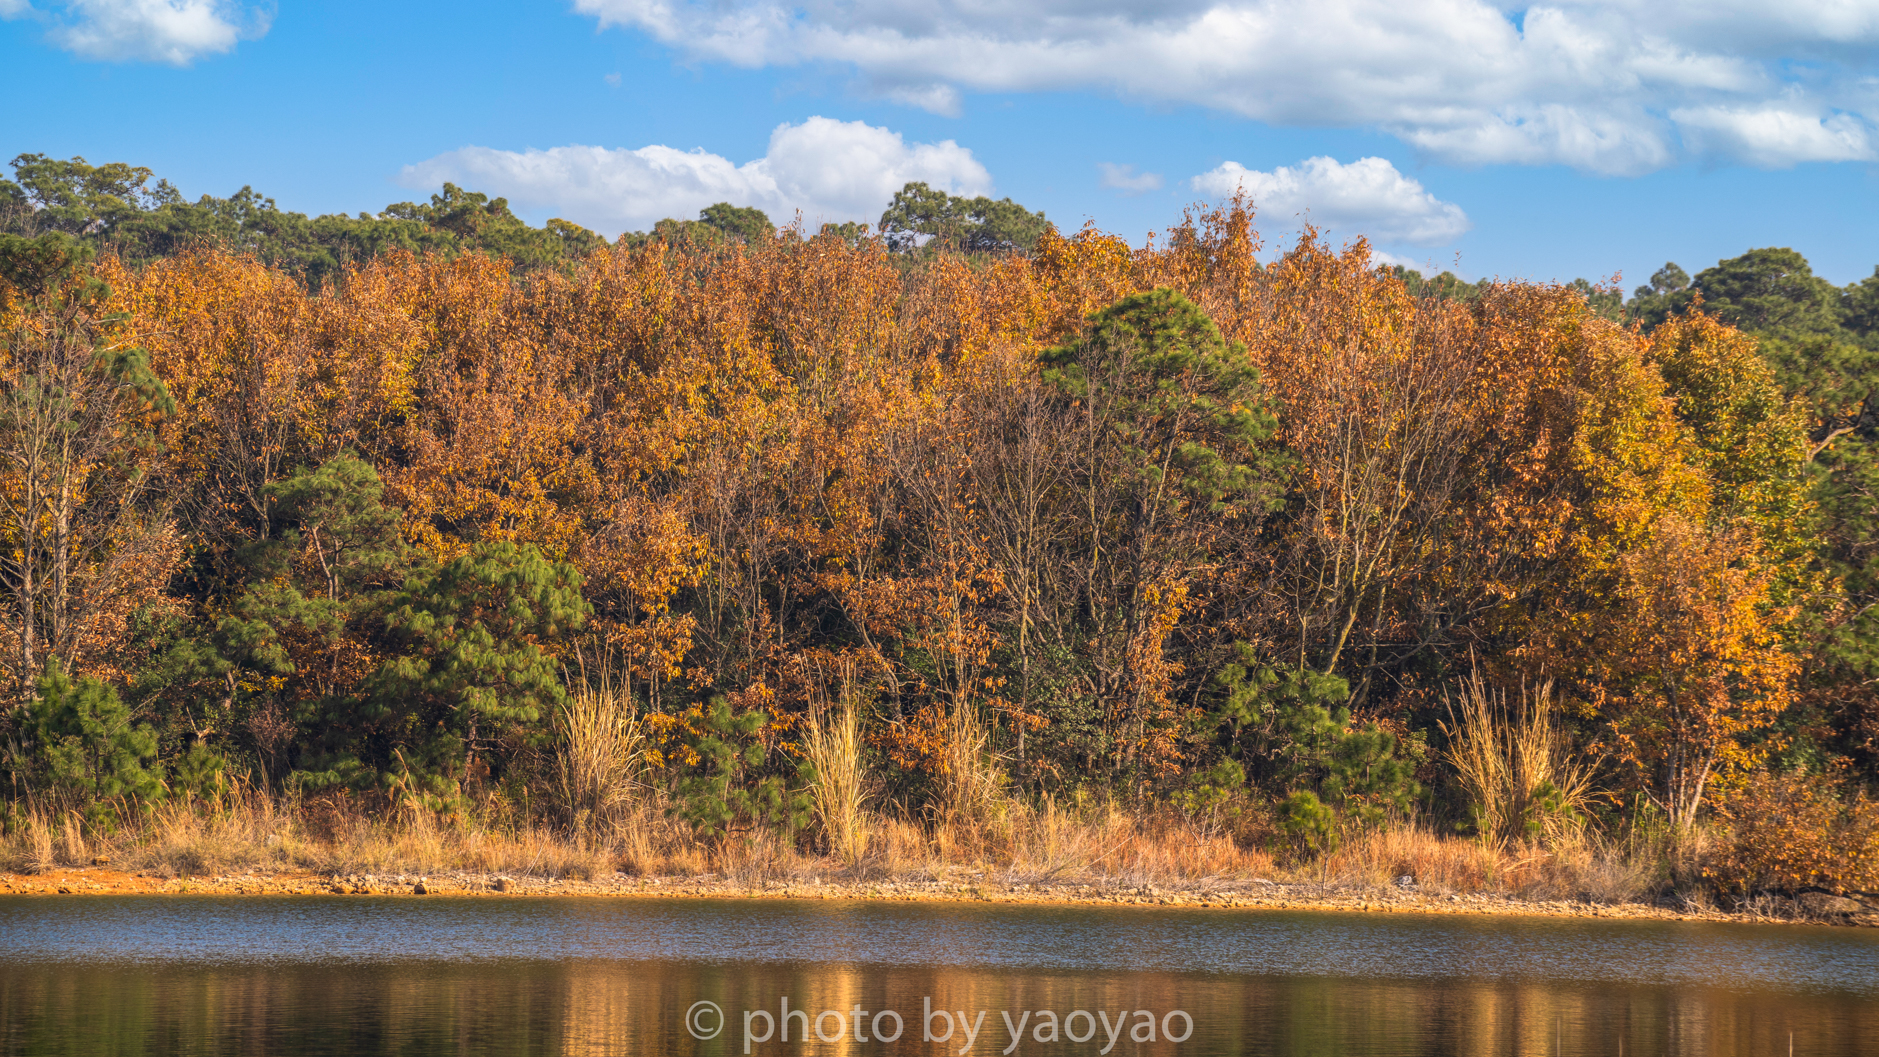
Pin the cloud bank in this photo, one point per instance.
(1367, 197)
(1607, 86)
(177, 32)
(829, 170)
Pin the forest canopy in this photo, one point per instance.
(357, 503)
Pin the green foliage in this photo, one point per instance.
(483, 223)
(475, 666)
(1444, 287)
(850, 231)
(1308, 824)
(201, 772)
(33, 266)
(1287, 719)
(1548, 807)
(110, 206)
(727, 788)
(693, 235)
(747, 223)
(331, 524)
(1447, 286)
(966, 225)
(1859, 306)
(313, 588)
(1293, 727)
(1667, 292)
(337, 547)
(1604, 301)
(1801, 320)
(316, 248)
(79, 198)
(1753, 438)
(1182, 405)
(1367, 777)
(1209, 789)
(719, 228)
(87, 743)
(1771, 291)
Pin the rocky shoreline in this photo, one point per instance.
(964, 886)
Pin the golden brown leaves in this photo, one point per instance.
(809, 453)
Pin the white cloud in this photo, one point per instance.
(1775, 137)
(1125, 179)
(1612, 86)
(172, 31)
(830, 170)
(1367, 197)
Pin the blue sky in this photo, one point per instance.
(1585, 138)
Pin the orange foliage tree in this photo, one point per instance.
(1053, 491)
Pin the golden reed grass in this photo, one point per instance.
(1517, 765)
(833, 745)
(601, 748)
(1049, 844)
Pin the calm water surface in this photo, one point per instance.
(201, 975)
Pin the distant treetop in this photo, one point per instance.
(920, 215)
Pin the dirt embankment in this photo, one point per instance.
(964, 887)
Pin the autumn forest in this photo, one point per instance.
(739, 533)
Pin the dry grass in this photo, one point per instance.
(833, 745)
(1589, 870)
(1441, 864)
(1517, 765)
(599, 752)
(1574, 868)
(36, 854)
(973, 787)
(1098, 843)
(606, 819)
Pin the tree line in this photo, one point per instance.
(353, 507)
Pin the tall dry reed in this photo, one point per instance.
(600, 748)
(37, 855)
(973, 789)
(833, 745)
(1517, 764)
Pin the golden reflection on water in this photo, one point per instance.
(638, 1009)
(614, 1010)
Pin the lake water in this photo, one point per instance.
(287, 976)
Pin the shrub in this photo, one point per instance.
(1308, 824)
(87, 745)
(201, 772)
(1794, 831)
(1367, 778)
(1295, 726)
(727, 787)
(1209, 791)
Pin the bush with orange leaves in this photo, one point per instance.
(1788, 832)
